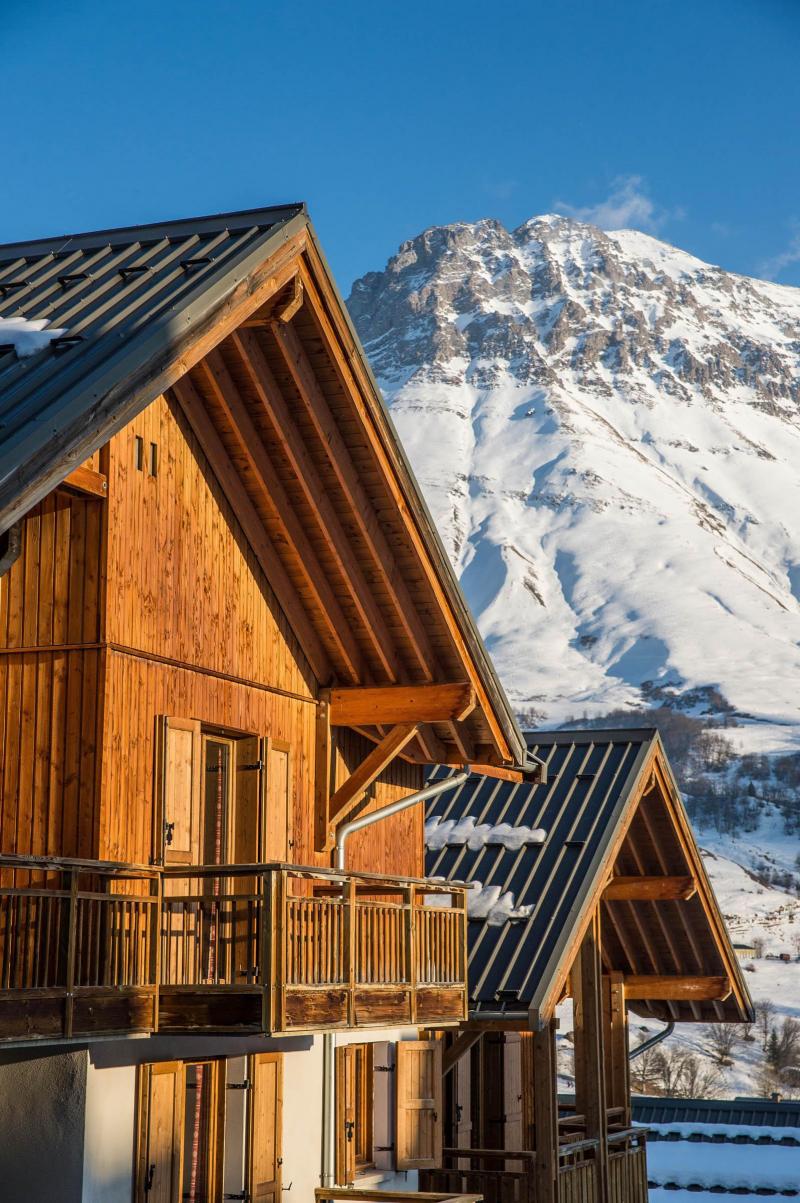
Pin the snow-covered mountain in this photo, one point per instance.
(607, 432)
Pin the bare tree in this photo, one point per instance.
(721, 1040)
(758, 945)
(644, 1072)
(682, 1075)
(765, 1013)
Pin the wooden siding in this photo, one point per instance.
(51, 624)
(185, 584)
(191, 630)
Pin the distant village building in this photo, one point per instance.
(745, 952)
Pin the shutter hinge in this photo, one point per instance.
(383, 1069)
(384, 1148)
(242, 1194)
(245, 1085)
(255, 767)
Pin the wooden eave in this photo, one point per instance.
(285, 411)
(671, 944)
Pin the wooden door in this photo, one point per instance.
(346, 1115)
(265, 1127)
(178, 842)
(278, 840)
(419, 1104)
(161, 1105)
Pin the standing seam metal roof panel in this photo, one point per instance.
(129, 297)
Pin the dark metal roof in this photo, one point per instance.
(753, 1113)
(130, 298)
(592, 782)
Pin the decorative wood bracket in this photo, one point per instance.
(86, 480)
(461, 1045)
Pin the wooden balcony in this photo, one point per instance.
(94, 949)
(509, 1176)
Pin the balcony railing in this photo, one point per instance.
(507, 1176)
(95, 948)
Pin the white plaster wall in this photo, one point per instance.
(109, 1134)
(302, 1122)
(42, 1102)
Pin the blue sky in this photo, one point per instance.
(681, 117)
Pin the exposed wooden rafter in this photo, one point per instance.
(274, 499)
(328, 522)
(373, 706)
(247, 516)
(654, 889)
(342, 464)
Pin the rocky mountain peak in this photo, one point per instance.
(607, 431)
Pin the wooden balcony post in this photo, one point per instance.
(545, 1114)
(410, 902)
(615, 1025)
(590, 1092)
(155, 951)
(72, 926)
(268, 925)
(280, 960)
(350, 929)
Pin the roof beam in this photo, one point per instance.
(339, 457)
(652, 889)
(247, 516)
(658, 987)
(297, 455)
(274, 498)
(86, 480)
(350, 793)
(375, 706)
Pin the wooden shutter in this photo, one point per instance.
(265, 1127)
(419, 1104)
(161, 1100)
(250, 777)
(181, 779)
(346, 1115)
(277, 818)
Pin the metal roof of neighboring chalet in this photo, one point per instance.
(601, 812)
(733, 1113)
(140, 307)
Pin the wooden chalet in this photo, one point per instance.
(588, 886)
(228, 635)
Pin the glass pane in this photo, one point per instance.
(215, 816)
(197, 1153)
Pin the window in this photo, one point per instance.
(225, 798)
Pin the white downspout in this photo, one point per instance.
(328, 1039)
